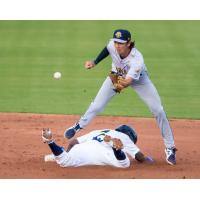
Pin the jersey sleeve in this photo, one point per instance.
(103, 54)
(136, 66)
(131, 148)
(110, 47)
(135, 70)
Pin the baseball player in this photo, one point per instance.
(100, 147)
(128, 69)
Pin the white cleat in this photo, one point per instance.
(49, 158)
(171, 155)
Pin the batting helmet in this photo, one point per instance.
(128, 131)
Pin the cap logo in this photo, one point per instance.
(118, 34)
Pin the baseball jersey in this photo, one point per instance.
(132, 66)
(129, 147)
(92, 150)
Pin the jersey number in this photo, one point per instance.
(100, 137)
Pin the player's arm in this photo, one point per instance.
(136, 153)
(125, 82)
(121, 83)
(133, 74)
(103, 54)
(71, 144)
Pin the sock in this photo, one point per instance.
(119, 154)
(56, 150)
(77, 127)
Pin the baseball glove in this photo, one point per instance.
(117, 81)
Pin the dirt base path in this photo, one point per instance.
(22, 150)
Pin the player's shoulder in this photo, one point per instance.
(119, 135)
(136, 56)
(99, 132)
(94, 132)
(89, 136)
(110, 45)
(136, 53)
(111, 42)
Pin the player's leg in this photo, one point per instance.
(148, 93)
(104, 95)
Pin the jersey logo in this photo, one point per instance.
(121, 71)
(101, 136)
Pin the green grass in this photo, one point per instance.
(31, 51)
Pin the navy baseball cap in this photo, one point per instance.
(121, 36)
(130, 132)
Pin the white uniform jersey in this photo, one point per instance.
(132, 66)
(92, 150)
(129, 147)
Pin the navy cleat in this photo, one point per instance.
(171, 155)
(70, 132)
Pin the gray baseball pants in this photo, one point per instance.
(146, 91)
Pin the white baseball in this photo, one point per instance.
(57, 75)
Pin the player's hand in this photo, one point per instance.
(107, 138)
(89, 64)
(117, 143)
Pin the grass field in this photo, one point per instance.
(31, 51)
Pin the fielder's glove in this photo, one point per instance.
(117, 81)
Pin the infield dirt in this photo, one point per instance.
(22, 151)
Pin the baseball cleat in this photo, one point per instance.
(47, 135)
(49, 158)
(171, 155)
(70, 132)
